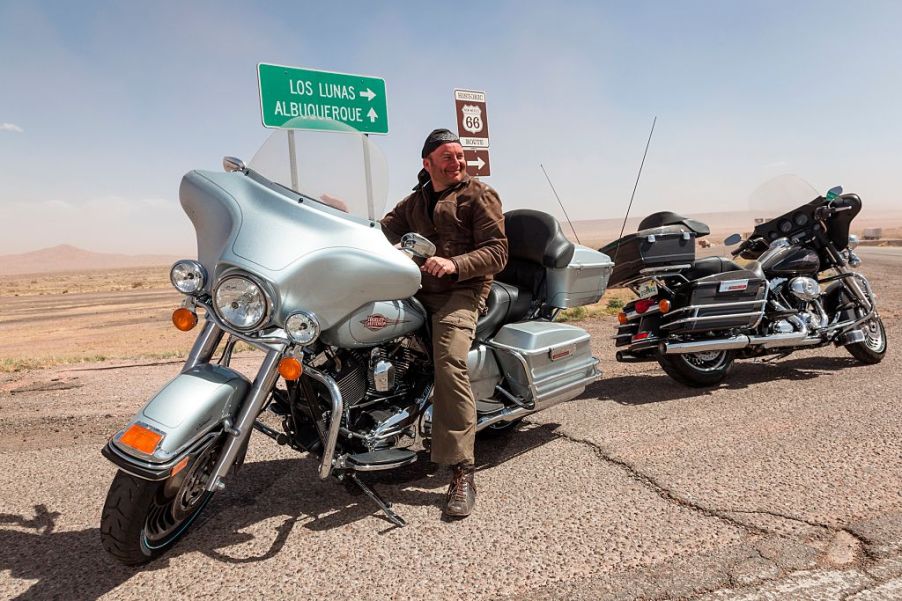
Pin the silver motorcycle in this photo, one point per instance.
(292, 261)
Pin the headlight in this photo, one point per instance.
(240, 302)
(188, 277)
(853, 241)
(303, 328)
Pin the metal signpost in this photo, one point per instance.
(473, 130)
(293, 98)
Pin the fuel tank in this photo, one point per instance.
(375, 323)
(792, 260)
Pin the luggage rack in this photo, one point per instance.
(655, 273)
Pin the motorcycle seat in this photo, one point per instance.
(506, 304)
(710, 266)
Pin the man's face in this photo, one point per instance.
(446, 165)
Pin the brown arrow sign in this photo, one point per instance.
(477, 162)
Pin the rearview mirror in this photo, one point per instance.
(417, 245)
(732, 239)
(833, 192)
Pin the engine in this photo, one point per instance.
(380, 373)
(798, 302)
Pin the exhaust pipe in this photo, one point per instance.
(704, 346)
(799, 338)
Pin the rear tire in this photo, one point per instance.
(698, 370)
(143, 519)
(873, 348)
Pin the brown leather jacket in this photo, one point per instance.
(468, 228)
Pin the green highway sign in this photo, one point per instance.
(293, 98)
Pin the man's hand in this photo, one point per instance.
(439, 266)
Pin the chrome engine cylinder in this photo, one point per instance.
(806, 289)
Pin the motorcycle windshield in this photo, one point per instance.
(781, 195)
(340, 168)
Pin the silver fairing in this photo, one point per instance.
(311, 257)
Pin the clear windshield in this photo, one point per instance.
(343, 169)
(781, 195)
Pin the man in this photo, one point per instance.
(463, 218)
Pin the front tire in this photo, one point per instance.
(698, 370)
(143, 519)
(873, 348)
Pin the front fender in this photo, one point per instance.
(186, 411)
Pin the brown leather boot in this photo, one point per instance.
(461, 493)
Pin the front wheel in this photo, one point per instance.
(697, 369)
(872, 349)
(142, 519)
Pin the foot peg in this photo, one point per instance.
(384, 505)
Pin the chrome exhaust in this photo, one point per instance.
(704, 346)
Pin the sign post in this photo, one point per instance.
(473, 130)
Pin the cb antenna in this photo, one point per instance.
(635, 187)
(560, 203)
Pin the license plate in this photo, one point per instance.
(646, 289)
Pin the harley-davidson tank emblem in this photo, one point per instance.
(377, 321)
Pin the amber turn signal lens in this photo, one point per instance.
(179, 466)
(184, 319)
(290, 368)
(621, 317)
(664, 306)
(141, 439)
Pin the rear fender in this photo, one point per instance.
(188, 412)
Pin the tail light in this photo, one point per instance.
(643, 304)
(640, 336)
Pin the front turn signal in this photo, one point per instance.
(290, 369)
(184, 319)
(141, 439)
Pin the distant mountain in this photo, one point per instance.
(70, 258)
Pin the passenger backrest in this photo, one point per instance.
(535, 242)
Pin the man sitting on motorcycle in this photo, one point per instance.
(463, 218)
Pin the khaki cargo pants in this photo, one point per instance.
(454, 316)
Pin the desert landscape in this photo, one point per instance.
(65, 305)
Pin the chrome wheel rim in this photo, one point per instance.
(707, 361)
(873, 335)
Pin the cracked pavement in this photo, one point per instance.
(783, 483)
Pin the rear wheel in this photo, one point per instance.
(142, 519)
(872, 349)
(698, 369)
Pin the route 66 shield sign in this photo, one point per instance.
(472, 118)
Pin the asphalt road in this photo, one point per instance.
(783, 483)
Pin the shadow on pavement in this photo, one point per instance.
(656, 387)
(73, 565)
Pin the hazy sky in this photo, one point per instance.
(104, 106)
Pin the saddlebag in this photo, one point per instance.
(582, 281)
(545, 362)
(653, 247)
(723, 301)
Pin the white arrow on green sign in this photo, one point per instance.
(293, 98)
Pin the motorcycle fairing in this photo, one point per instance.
(319, 259)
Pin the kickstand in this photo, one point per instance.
(384, 505)
(774, 358)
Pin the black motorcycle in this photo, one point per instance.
(796, 289)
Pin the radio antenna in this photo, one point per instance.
(560, 203)
(635, 186)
